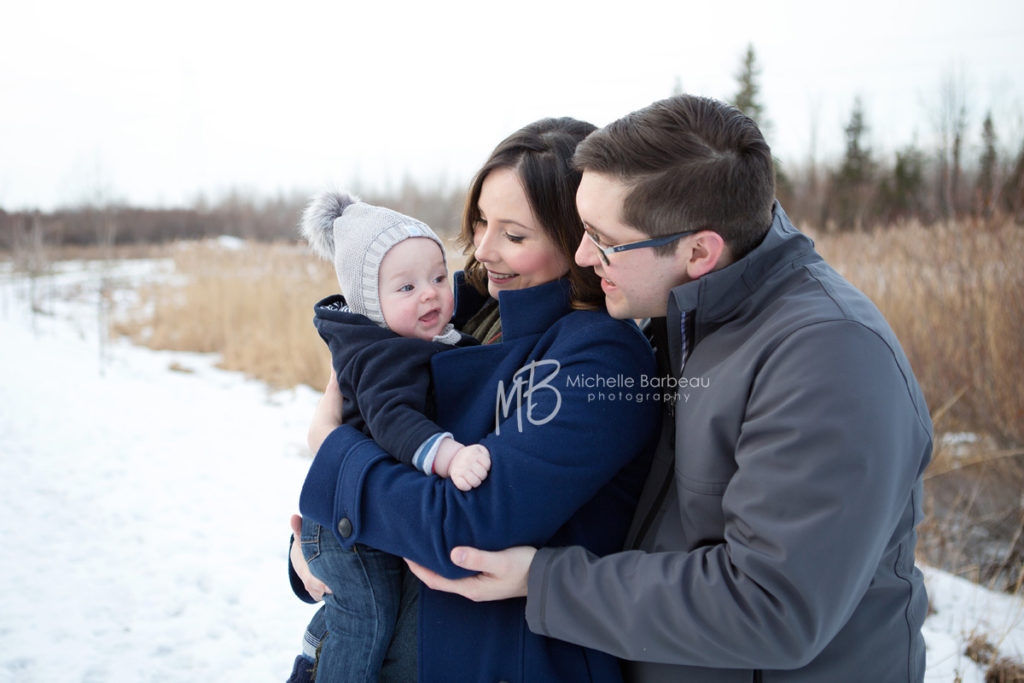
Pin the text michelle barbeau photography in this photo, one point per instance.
(537, 378)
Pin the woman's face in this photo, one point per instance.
(508, 240)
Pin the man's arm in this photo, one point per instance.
(828, 457)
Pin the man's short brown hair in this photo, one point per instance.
(691, 163)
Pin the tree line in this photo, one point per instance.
(868, 188)
(241, 215)
(864, 189)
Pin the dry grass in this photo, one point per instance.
(980, 650)
(954, 295)
(47, 253)
(1005, 670)
(254, 306)
(997, 669)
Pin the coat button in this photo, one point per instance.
(345, 527)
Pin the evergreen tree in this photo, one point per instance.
(986, 188)
(1013, 189)
(901, 194)
(748, 97)
(851, 184)
(857, 164)
(748, 101)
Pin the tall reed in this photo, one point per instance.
(955, 298)
(954, 295)
(252, 305)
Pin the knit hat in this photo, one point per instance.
(356, 236)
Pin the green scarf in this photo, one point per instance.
(485, 324)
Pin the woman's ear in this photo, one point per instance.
(704, 252)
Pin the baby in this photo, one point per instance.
(394, 314)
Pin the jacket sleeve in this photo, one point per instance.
(831, 449)
(551, 457)
(391, 381)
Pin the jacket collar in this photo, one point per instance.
(715, 297)
(523, 312)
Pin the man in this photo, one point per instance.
(774, 539)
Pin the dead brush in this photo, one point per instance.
(954, 295)
(980, 650)
(253, 305)
(1005, 670)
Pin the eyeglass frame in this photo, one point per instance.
(654, 242)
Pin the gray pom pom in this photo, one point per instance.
(317, 224)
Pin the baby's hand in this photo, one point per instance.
(469, 467)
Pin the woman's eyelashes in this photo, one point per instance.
(481, 224)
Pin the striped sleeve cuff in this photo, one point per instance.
(423, 458)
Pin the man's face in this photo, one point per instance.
(636, 283)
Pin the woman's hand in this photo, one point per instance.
(326, 417)
(503, 574)
(314, 586)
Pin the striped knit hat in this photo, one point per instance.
(356, 235)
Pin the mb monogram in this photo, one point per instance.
(535, 376)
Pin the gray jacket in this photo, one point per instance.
(774, 539)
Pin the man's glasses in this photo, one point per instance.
(656, 242)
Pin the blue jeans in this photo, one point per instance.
(358, 620)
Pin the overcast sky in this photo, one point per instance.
(159, 104)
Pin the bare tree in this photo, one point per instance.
(951, 124)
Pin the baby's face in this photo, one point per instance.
(413, 284)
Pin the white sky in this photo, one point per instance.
(157, 104)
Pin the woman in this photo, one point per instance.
(553, 393)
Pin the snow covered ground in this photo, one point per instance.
(144, 504)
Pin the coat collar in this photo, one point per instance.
(524, 312)
(715, 297)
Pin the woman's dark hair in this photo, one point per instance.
(541, 155)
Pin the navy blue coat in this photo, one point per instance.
(560, 404)
(384, 378)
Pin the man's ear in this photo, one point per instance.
(704, 252)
